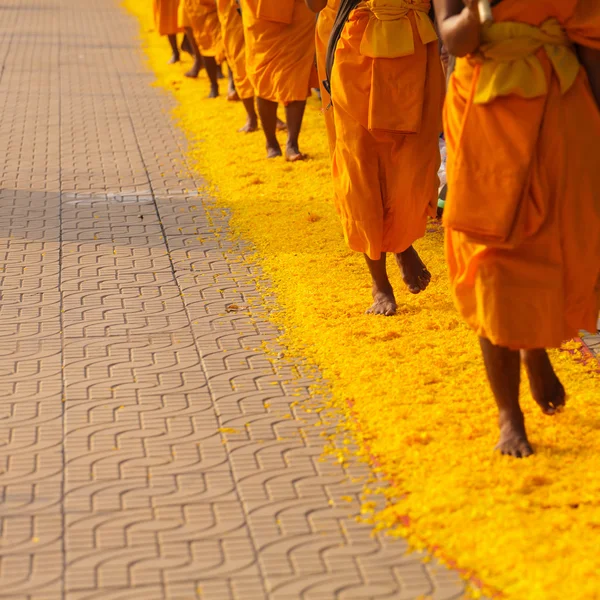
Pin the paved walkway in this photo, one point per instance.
(145, 452)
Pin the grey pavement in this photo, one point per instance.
(146, 450)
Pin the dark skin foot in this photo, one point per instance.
(185, 46)
(198, 62)
(294, 114)
(195, 70)
(503, 368)
(293, 154)
(274, 151)
(232, 94)
(546, 388)
(175, 55)
(384, 302)
(268, 117)
(280, 125)
(210, 64)
(414, 272)
(513, 438)
(250, 127)
(252, 121)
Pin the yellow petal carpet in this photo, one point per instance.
(411, 388)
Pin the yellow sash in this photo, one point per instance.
(489, 174)
(509, 64)
(389, 33)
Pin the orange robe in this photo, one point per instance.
(324, 26)
(166, 16)
(232, 31)
(388, 110)
(201, 16)
(523, 207)
(280, 48)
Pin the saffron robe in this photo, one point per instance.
(280, 48)
(232, 32)
(387, 86)
(324, 26)
(166, 16)
(523, 207)
(201, 16)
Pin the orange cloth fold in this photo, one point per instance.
(232, 32)
(201, 16)
(166, 16)
(324, 26)
(278, 11)
(385, 181)
(280, 57)
(523, 209)
(389, 37)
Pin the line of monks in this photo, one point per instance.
(522, 123)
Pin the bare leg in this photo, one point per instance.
(503, 368)
(414, 272)
(252, 121)
(198, 62)
(546, 388)
(294, 113)
(175, 55)
(185, 45)
(268, 117)
(232, 94)
(384, 302)
(210, 64)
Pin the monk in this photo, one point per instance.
(523, 207)
(166, 21)
(203, 29)
(232, 30)
(280, 52)
(327, 10)
(387, 90)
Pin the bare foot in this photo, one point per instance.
(384, 302)
(513, 438)
(185, 45)
(414, 272)
(174, 58)
(195, 70)
(233, 96)
(546, 388)
(273, 151)
(214, 91)
(293, 154)
(281, 125)
(250, 127)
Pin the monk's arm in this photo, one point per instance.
(590, 59)
(316, 5)
(459, 25)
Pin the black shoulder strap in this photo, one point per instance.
(346, 7)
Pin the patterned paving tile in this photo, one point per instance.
(148, 451)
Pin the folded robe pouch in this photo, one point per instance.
(507, 65)
(389, 38)
(277, 11)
